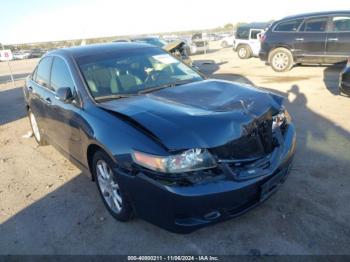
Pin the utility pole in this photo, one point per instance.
(8, 64)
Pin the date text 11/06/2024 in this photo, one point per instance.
(173, 258)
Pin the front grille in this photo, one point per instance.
(265, 133)
(257, 143)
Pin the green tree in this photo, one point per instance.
(228, 27)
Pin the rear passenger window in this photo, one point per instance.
(341, 24)
(254, 34)
(242, 33)
(289, 26)
(60, 76)
(43, 72)
(315, 25)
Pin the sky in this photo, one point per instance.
(27, 21)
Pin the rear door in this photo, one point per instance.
(38, 88)
(310, 41)
(254, 41)
(338, 39)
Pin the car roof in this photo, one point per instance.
(326, 13)
(96, 49)
(254, 25)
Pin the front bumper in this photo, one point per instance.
(183, 209)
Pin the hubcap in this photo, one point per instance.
(109, 186)
(280, 61)
(242, 52)
(35, 127)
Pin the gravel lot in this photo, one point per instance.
(48, 207)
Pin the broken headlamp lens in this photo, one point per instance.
(189, 160)
(281, 118)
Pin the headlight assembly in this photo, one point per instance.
(189, 160)
(281, 118)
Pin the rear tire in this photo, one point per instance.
(113, 196)
(36, 129)
(244, 52)
(281, 59)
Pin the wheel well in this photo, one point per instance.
(246, 45)
(92, 149)
(272, 49)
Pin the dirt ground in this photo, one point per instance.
(48, 207)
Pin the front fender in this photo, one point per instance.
(118, 138)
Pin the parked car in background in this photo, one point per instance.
(227, 41)
(201, 42)
(160, 141)
(20, 55)
(36, 53)
(156, 41)
(314, 38)
(178, 48)
(212, 37)
(344, 79)
(247, 40)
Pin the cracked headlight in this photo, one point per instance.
(281, 118)
(189, 160)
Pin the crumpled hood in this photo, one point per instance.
(202, 114)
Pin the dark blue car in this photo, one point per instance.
(161, 141)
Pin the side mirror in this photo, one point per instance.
(64, 94)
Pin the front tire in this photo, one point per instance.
(113, 196)
(281, 60)
(244, 52)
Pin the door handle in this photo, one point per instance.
(333, 39)
(299, 39)
(48, 100)
(30, 87)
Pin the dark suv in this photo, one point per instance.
(315, 38)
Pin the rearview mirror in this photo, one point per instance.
(64, 94)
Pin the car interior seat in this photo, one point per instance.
(102, 81)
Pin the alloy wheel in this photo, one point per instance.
(280, 60)
(35, 127)
(109, 186)
(242, 52)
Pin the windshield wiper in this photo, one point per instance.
(112, 97)
(152, 89)
(177, 83)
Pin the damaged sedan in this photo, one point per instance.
(161, 141)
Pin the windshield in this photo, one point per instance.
(132, 72)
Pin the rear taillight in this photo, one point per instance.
(262, 37)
